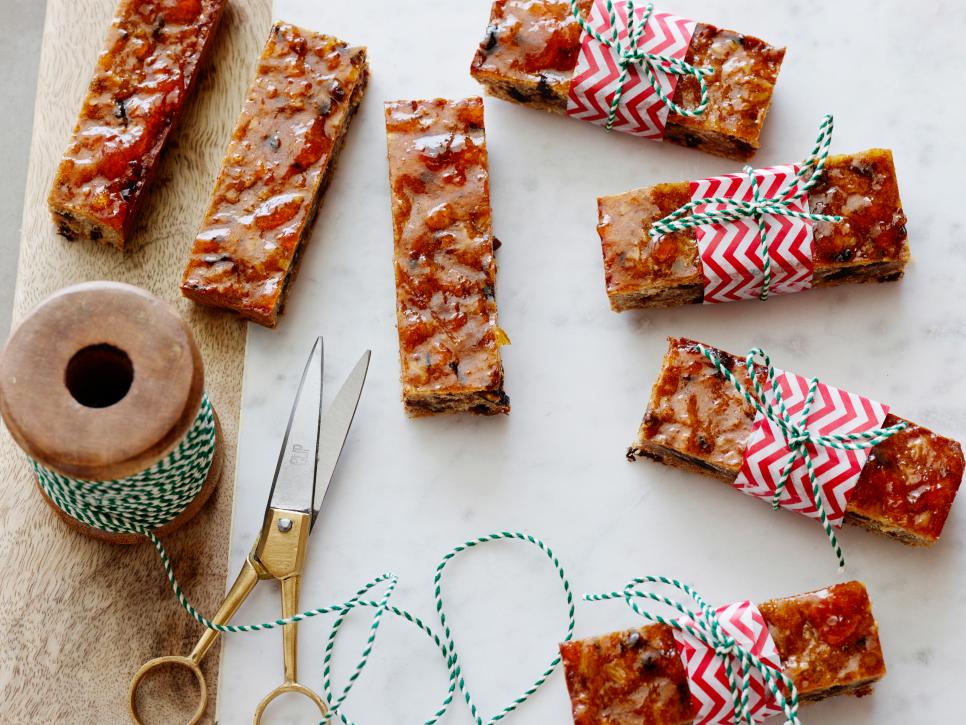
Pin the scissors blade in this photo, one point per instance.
(295, 474)
(335, 428)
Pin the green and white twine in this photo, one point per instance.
(147, 500)
(707, 629)
(443, 638)
(735, 209)
(628, 53)
(798, 438)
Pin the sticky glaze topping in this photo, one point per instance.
(445, 268)
(909, 480)
(627, 678)
(697, 412)
(149, 61)
(739, 90)
(533, 40)
(297, 110)
(863, 189)
(631, 257)
(826, 639)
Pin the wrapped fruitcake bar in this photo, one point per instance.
(536, 52)
(902, 486)
(280, 159)
(825, 643)
(449, 341)
(150, 62)
(867, 245)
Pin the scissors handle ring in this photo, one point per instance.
(171, 660)
(289, 687)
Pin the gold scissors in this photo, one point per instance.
(310, 452)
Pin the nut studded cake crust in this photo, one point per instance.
(150, 63)
(869, 245)
(530, 49)
(697, 421)
(449, 340)
(828, 642)
(278, 164)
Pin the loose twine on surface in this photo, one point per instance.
(629, 54)
(733, 210)
(152, 498)
(703, 624)
(442, 638)
(800, 440)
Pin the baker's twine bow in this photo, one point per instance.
(800, 440)
(443, 639)
(628, 53)
(733, 210)
(703, 624)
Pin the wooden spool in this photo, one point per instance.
(100, 381)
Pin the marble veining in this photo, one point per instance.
(579, 376)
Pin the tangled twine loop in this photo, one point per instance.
(629, 54)
(733, 210)
(442, 639)
(799, 439)
(704, 625)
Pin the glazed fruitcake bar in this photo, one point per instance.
(449, 340)
(530, 49)
(280, 159)
(868, 245)
(828, 642)
(696, 420)
(150, 63)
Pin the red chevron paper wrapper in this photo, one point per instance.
(731, 260)
(707, 678)
(837, 471)
(595, 80)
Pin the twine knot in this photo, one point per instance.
(797, 436)
(628, 53)
(703, 624)
(726, 648)
(799, 439)
(732, 210)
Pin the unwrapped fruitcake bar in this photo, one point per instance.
(531, 47)
(280, 159)
(449, 341)
(150, 63)
(698, 421)
(828, 642)
(868, 245)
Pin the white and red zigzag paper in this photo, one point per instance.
(711, 699)
(640, 112)
(731, 262)
(837, 471)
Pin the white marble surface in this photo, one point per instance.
(579, 376)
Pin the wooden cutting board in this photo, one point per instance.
(77, 616)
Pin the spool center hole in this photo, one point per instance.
(99, 376)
